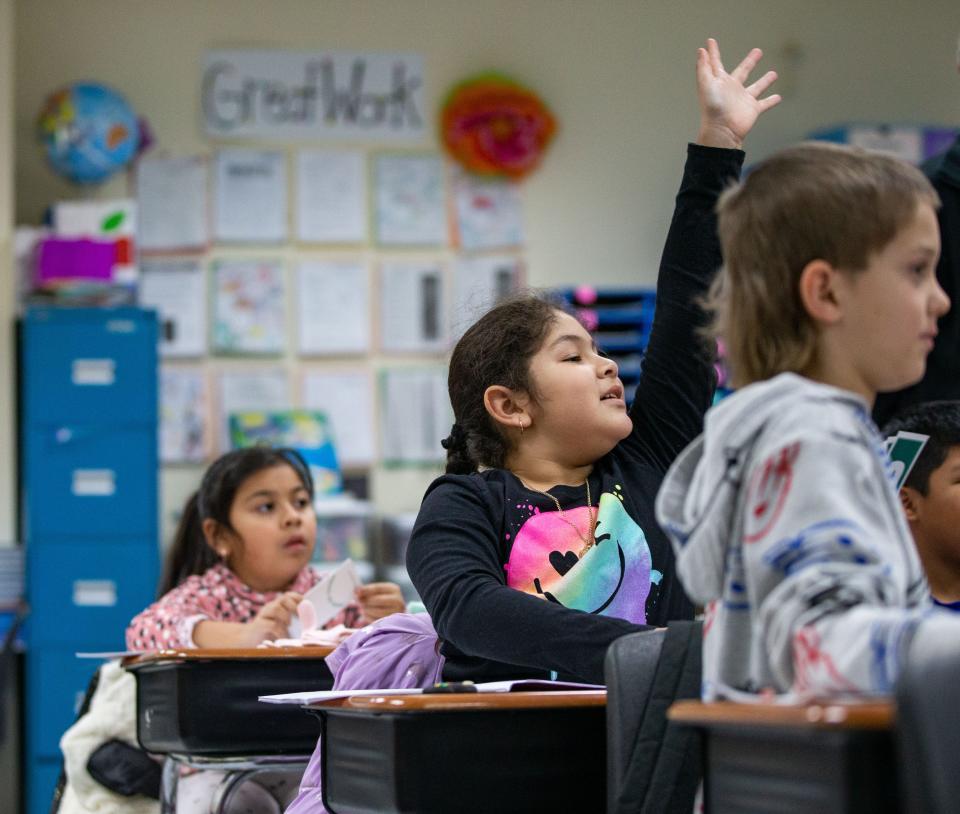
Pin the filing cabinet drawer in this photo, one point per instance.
(94, 365)
(42, 776)
(83, 595)
(56, 684)
(90, 481)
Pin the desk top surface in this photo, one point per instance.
(452, 702)
(875, 714)
(224, 653)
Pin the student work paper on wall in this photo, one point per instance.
(415, 414)
(333, 303)
(410, 200)
(173, 203)
(177, 289)
(184, 416)
(250, 196)
(412, 311)
(479, 283)
(248, 307)
(346, 396)
(331, 196)
(489, 213)
(250, 389)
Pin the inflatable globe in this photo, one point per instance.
(89, 132)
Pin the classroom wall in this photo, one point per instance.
(618, 74)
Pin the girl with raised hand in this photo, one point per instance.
(539, 546)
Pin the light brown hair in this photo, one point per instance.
(814, 201)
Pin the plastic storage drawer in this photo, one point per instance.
(210, 707)
(89, 365)
(42, 776)
(91, 480)
(83, 595)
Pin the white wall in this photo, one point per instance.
(618, 74)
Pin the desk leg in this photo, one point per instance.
(168, 786)
(226, 787)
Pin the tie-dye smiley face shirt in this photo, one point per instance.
(511, 586)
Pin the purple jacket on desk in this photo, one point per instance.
(396, 652)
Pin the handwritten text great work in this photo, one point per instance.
(292, 95)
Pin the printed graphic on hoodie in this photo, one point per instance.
(612, 577)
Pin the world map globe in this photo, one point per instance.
(89, 131)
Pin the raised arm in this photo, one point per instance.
(677, 383)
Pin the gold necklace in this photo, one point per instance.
(587, 541)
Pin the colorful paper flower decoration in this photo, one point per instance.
(494, 126)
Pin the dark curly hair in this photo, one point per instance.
(496, 349)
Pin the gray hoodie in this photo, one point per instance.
(787, 528)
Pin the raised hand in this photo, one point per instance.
(728, 107)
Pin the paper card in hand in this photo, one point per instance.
(335, 590)
(904, 448)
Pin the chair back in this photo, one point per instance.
(928, 730)
(653, 766)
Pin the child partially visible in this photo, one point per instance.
(931, 494)
(785, 521)
(240, 561)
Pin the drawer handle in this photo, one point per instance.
(95, 593)
(94, 482)
(98, 372)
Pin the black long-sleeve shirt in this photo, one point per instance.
(486, 552)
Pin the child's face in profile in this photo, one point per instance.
(580, 400)
(275, 529)
(935, 517)
(890, 310)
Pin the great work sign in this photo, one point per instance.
(290, 95)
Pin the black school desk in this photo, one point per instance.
(829, 758)
(199, 708)
(469, 752)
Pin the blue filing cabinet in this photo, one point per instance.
(89, 506)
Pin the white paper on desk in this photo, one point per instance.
(331, 196)
(250, 196)
(412, 310)
(333, 305)
(178, 290)
(346, 396)
(108, 654)
(335, 590)
(172, 199)
(519, 685)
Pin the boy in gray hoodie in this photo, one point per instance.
(785, 522)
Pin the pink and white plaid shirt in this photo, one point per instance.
(217, 595)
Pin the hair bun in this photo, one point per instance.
(456, 440)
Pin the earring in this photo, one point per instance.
(521, 427)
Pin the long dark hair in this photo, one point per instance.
(496, 349)
(189, 553)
